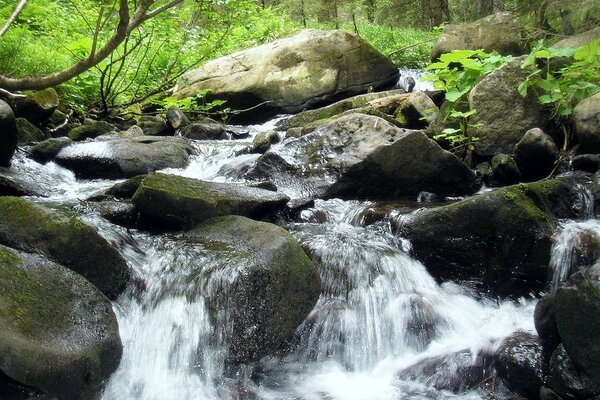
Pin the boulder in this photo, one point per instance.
(586, 117)
(132, 132)
(263, 141)
(155, 126)
(497, 132)
(125, 158)
(266, 282)
(586, 162)
(566, 380)
(28, 132)
(175, 201)
(536, 155)
(545, 323)
(10, 187)
(58, 333)
(520, 364)
(176, 119)
(294, 73)
(68, 241)
(91, 130)
(208, 129)
(8, 134)
(48, 149)
(126, 189)
(504, 170)
(417, 111)
(364, 156)
(578, 40)
(499, 240)
(37, 106)
(500, 32)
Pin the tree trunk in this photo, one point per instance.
(370, 5)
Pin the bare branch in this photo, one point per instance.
(13, 16)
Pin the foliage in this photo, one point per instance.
(457, 73)
(197, 105)
(576, 77)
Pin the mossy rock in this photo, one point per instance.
(266, 282)
(90, 131)
(58, 333)
(10, 187)
(505, 170)
(499, 240)
(48, 149)
(175, 201)
(263, 141)
(8, 134)
(37, 106)
(125, 158)
(28, 132)
(68, 241)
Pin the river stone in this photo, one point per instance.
(586, 162)
(503, 113)
(10, 187)
(499, 240)
(519, 362)
(208, 129)
(58, 333)
(263, 141)
(48, 149)
(68, 241)
(504, 170)
(176, 119)
(91, 130)
(37, 106)
(586, 116)
(363, 156)
(125, 158)
(417, 111)
(28, 132)
(500, 32)
(578, 40)
(293, 73)
(8, 134)
(545, 323)
(566, 380)
(266, 282)
(155, 126)
(536, 154)
(176, 201)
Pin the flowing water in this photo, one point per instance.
(379, 312)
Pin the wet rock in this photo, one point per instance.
(208, 129)
(10, 187)
(504, 170)
(545, 323)
(586, 162)
(29, 133)
(58, 333)
(421, 323)
(91, 130)
(428, 197)
(294, 73)
(8, 134)
(457, 372)
(121, 213)
(567, 381)
(519, 362)
(536, 155)
(176, 119)
(37, 106)
(175, 201)
(586, 117)
(70, 242)
(126, 190)
(500, 32)
(155, 126)
(416, 112)
(125, 158)
(48, 149)
(268, 284)
(500, 239)
(363, 156)
(484, 172)
(263, 141)
(132, 132)
(497, 133)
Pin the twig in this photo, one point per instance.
(408, 47)
(13, 16)
(10, 95)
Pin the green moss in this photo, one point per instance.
(93, 130)
(29, 133)
(46, 99)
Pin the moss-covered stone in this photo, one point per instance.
(28, 132)
(8, 134)
(48, 149)
(37, 106)
(266, 282)
(264, 140)
(90, 131)
(68, 241)
(504, 170)
(176, 201)
(499, 239)
(58, 333)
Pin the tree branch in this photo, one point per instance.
(13, 16)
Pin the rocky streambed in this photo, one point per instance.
(339, 253)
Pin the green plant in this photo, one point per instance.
(576, 77)
(198, 105)
(457, 73)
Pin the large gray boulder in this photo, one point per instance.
(499, 240)
(586, 116)
(578, 40)
(503, 115)
(8, 134)
(68, 241)
(175, 201)
(265, 281)
(364, 156)
(500, 32)
(58, 333)
(125, 158)
(536, 154)
(293, 73)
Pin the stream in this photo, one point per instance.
(379, 312)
